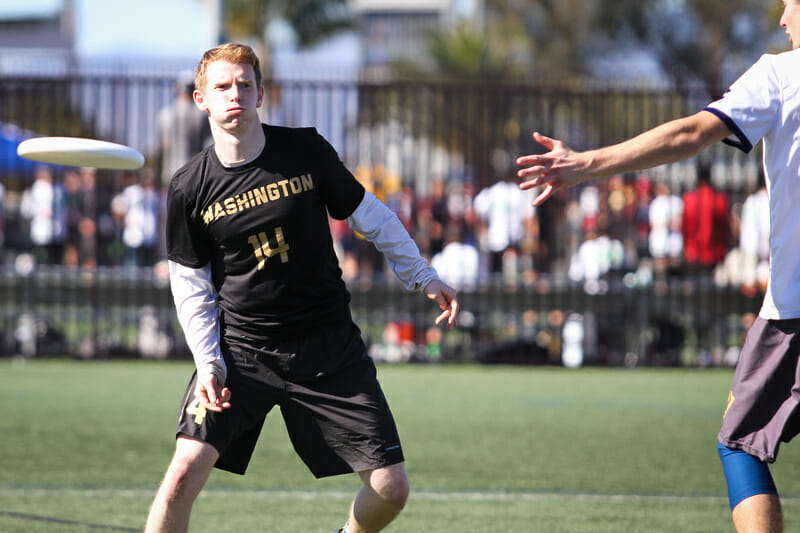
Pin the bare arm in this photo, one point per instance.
(562, 167)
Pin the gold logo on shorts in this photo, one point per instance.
(731, 399)
(198, 411)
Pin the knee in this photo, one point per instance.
(395, 492)
(184, 480)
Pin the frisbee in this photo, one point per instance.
(81, 152)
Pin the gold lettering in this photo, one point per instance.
(208, 215)
(263, 250)
(230, 206)
(731, 399)
(296, 185)
(260, 195)
(273, 192)
(198, 411)
(257, 245)
(282, 184)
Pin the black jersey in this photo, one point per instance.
(263, 228)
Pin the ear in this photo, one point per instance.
(260, 96)
(199, 101)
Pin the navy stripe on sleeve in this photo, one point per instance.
(741, 142)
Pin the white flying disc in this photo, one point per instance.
(81, 152)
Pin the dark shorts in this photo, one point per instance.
(338, 420)
(762, 408)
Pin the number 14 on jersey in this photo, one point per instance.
(264, 251)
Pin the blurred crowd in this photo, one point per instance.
(84, 217)
(626, 224)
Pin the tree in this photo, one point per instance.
(706, 41)
(312, 20)
(462, 52)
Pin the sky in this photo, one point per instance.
(174, 30)
(168, 28)
(177, 28)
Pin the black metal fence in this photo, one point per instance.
(428, 150)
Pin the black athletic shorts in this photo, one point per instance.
(763, 404)
(338, 419)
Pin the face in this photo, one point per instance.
(790, 21)
(231, 97)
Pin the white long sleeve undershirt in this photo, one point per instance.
(196, 304)
(380, 226)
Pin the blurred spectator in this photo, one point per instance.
(706, 223)
(596, 256)
(138, 206)
(642, 190)
(502, 208)
(183, 129)
(95, 225)
(460, 209)
(458, 264)
(665, 242)
(432, 219)
(439, 213)
(44, 204)
(73, 201)
(2, 216)
(754, 240)
(589, 203)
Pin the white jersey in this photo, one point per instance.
(764, 104)
(504, 206)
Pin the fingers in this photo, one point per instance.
(547, 142)
(544, 195)
(211, 395)
(446, 298)
(449, 313)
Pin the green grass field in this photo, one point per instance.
(489, 449)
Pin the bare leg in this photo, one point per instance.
(381, 499)
(186, 475)
(758, 514)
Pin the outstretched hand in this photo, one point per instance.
(445, 296)
(212, 395)
(559, 168)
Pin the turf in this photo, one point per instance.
(489, 449)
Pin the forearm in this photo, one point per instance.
(196, 305)
(381, 227)
(670, 142)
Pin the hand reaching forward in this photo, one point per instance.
(211, 394)
(445, 296)
(559, 168)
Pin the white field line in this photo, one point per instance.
(474, 496)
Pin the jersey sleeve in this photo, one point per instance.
(750, 107)
(341, 190)
(187, 242)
